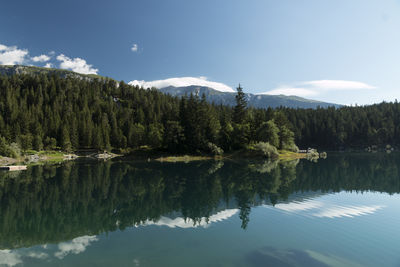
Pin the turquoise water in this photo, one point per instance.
(342, 211)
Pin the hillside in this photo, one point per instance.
(33, 70)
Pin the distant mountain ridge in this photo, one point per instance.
(254, 100)
(212, 95)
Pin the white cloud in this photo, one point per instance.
(313, 88)
(338, 85)
(9, 258)
(183, 81)
(41, 58)
(11, 55)
(75, 246)
(134, 48)
(290, 91)
(48, 65)
(76, 64)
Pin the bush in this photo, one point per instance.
(291, 147)
(312, 155)
(266, 149)
(214, 149)
(15, 150)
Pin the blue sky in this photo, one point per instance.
(339, 51)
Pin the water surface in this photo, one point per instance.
(342, 211)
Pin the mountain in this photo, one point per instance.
(254, 100)
(33, 70)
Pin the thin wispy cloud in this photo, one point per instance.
(76, 64)
(134, 48)
(291, 91)
(41, 58)
(12, 55)
(338, 85)
(183, 81)
(314, 88)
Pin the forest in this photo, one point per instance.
(356, 127)
(50, 112)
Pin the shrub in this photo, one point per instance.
(291, 147)
(214, 149)
(15, 150)
(266, 149)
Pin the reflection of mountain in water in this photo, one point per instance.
(56, 203)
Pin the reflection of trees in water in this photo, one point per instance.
(53, 203)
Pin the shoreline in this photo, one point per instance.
(44, 157)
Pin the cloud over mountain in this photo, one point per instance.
(183, 81)
(76, 64)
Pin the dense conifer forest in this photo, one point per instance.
(356, 127)
(70, 113)
(50, 112)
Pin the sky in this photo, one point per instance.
(342, 51)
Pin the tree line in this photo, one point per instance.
(346, 127)
(50, 112)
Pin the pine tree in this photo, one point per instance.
(240, 110)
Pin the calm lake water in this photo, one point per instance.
(342, 211)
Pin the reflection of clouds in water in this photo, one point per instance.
(326, 210)
(350, 211)
(188, 223)
(75, 246)
(9, 258)
(299, 206)
(38, 255)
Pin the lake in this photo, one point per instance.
(341, 211)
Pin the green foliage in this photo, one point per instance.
(269, 132)
(240, 110)
(50, 143)
(214, 149)
(348, 127)
(5, 149)
(266, 149)
(25, 141)
(41, 111)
